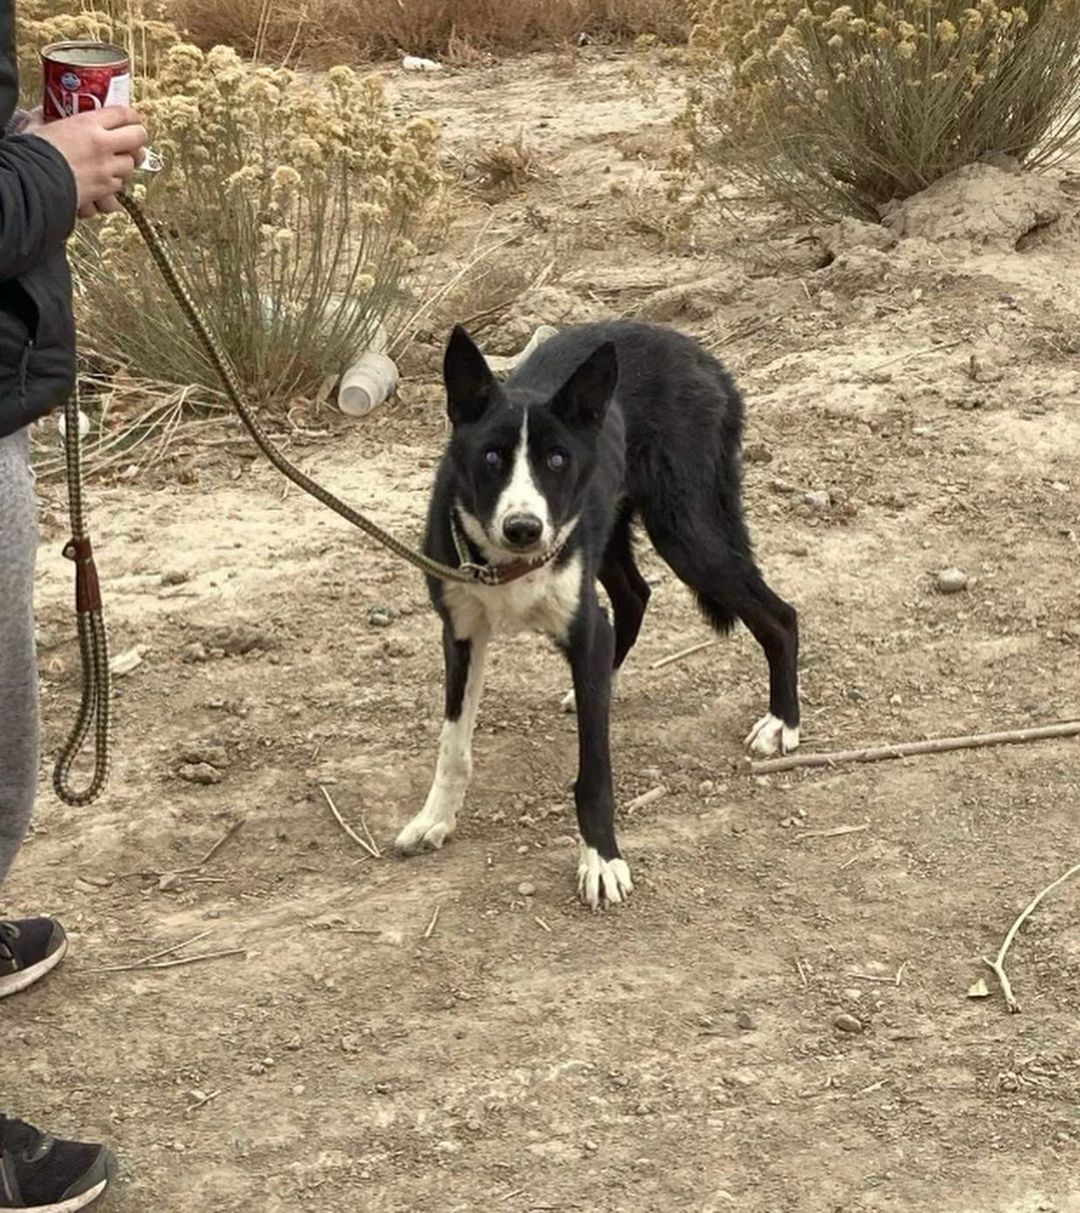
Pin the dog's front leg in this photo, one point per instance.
(435, 822)
(603, 875)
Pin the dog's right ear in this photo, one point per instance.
(470, 385)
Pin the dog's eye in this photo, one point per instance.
(557, 461)
(492, 457)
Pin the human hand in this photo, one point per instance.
(102, 148)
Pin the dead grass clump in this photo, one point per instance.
(458, 30)
(291, 212)
(845, 107)
(502, 168)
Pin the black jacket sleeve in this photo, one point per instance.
(38, 201)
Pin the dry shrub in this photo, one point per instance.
(456, 29)
(502, 168)
(128, 23)
(291, 212)
(846, 107)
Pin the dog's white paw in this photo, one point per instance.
(602, 880)
(770, 736)
(424, 833)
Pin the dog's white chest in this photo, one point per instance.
(545, 601)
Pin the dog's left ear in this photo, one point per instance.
(470, 385)
(584, 397)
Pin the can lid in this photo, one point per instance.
(75, 53)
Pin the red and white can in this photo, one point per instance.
(82, 76)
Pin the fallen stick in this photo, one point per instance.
(930, 349)
(694, 648)
(431, 924)
(346, 827)
(220, 843)
(639, 802)
(835, 832)
(141, 966)
(998, 964)
(175, 948)
(905, 749)
(201, 1103)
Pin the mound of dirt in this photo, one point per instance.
(981, 205)
(545, 305)
(696, 300)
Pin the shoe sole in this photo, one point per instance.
(13, 983)
(82, 1201)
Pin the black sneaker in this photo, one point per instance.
(28, 950)
(39, 1174)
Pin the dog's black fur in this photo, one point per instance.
(625, 421)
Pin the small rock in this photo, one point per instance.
(199, 772)
(380, 617)
(757, 452)
(817, 500)
(838, 497)
(238, 640)
(174, 577)
(168, 882)
(526, 888)
(209, 753)
(124, 663)
(299, 1089)
(195, 652)
(743, 1021)
(848, 1023)
(351, 1044)
(782, 486)
(951, 581)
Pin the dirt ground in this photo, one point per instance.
(910, 409)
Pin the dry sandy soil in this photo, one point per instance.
(682, 1053)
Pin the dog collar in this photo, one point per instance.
(497, 574)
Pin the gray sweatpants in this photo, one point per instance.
(18, 668)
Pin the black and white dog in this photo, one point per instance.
(542, 479)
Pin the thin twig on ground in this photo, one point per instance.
(432, 924)
(142, 967)
(682, 653)
(220, 842)
(930, 349)
(201, 1103)
(998, 964)
(835, 832)
(905, 749)
(639, 802)
(370, 848)
(176, 947)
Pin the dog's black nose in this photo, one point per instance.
(522, 530)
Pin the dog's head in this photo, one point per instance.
(521, 458)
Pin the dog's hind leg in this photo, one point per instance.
(603, 875)
(722, 573)
(435, 822)
(774, 624)
(628, 591)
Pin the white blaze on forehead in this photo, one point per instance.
(522, 495)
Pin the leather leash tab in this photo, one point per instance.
(87, 587)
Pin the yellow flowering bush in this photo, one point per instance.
(291, 209)
(846, 106)
(122, 22)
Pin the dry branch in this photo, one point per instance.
(998, 964)
(370, 848)
(905, 749)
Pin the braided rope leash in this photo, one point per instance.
(94, 708)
